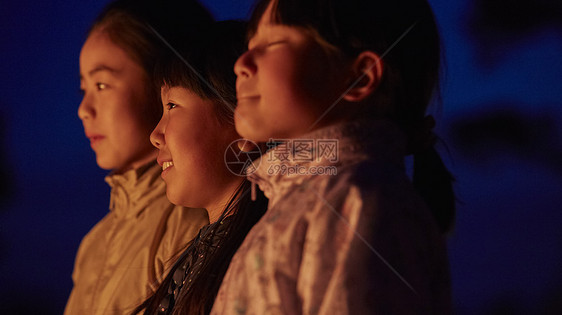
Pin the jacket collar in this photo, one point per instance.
(330, 148)
(133, 190)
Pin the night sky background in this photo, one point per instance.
(501, 121)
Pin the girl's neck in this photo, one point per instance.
(148, 157)
(217, 208)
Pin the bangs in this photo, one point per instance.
(290, 13)
(201, 78)
(257, 13)
(302, 15)
(319, 19)
(350, 25)
(205, 66)
(171, 71)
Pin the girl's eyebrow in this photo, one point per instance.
(100, 68)
(261, 32)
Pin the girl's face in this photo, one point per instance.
(285, 83)
(115, 106)
(192, 142)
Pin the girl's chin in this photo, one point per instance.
(179, 199)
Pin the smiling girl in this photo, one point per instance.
(195, 131)
(122, 260)
(342, 84)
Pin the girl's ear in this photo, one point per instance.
(367, 71)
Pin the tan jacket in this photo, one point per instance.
(122, 260)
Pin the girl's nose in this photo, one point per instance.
(157, 135)
(245, 65)
(86, 109)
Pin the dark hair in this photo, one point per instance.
(205, 66)
(206, 69)
(130, 24)
(200, 296)
(404, 33)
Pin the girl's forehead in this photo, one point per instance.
(267, 23)
(268, 32)
(269, 26)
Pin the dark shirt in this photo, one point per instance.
(191, 262)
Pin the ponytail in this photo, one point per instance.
(435, 183)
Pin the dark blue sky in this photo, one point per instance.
(500, 119)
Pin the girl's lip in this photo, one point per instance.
(165, 171)
(166, 166)
(91, 135)
(94, 139)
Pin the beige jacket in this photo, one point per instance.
(122, 260)
(359, 242)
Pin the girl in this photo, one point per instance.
(339, 88)
(122, 260)
(195, 131)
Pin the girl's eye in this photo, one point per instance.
(101, 86)
(170, 105)
(260, 47)
(274, 43)
(82, 91)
